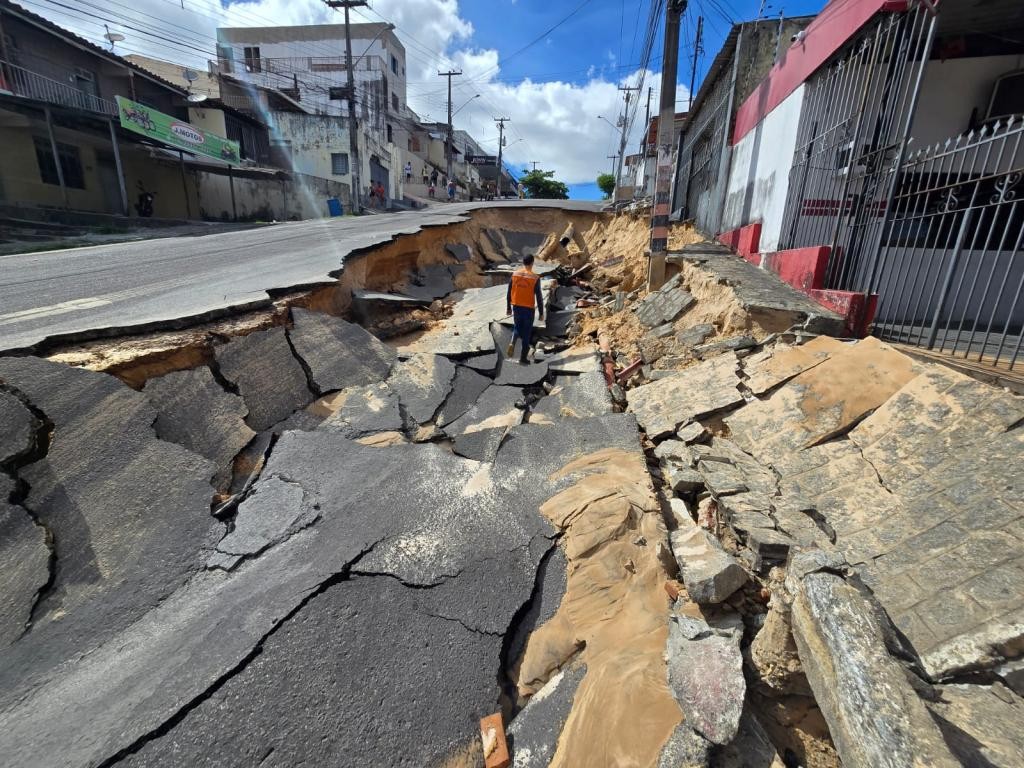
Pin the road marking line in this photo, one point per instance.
(54, 309)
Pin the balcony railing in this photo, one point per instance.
(31, 85)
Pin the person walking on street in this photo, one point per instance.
(451, 190)
(408, 171)
(426, 176)
(522, 299)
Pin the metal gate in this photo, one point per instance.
(853, 129)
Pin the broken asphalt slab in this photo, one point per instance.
(496, 407)
(24, 564)
(366, 410)
(267, 375)
(533, 733)
(574, 397)
(338, 354)
(129, 516)
(467, 387)
(422, 383)
(193, 410)
(17, 429)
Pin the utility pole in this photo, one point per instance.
(696, 52)
(353, 125)
(613, 158)
(625, 126)
(666, 138)
(448, 143)
(647, 115)
(501, 145)
(535, 163)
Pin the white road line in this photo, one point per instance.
(54, 309)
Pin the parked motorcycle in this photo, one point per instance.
(144, 204)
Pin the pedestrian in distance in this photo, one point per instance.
(433, 178)
(408, 171)
(522, 299)
(451, 190)
(426, 176)
(432, 189)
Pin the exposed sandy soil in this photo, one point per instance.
(613, 617)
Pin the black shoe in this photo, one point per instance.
(524, 360)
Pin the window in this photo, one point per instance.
(394, 101)
(70, 164)
(339, 163)
(391, 135)
(225, 58)
(252, 59)
(394, 64)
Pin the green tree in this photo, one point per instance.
(541, 185)
(606, 183)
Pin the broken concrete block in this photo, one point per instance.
(275, 510)
(709, 572)
(24, 564)
(680, 479)
(337, 353)
(694, 432)
(367, 410)
(752, 747)
(983, 724)
(576, 397)
(193, 410)
(664, 305)
(660, 331)
(535, 730)
(783, 362)
(716, 347)
(422, 383)
(705, 674)
(768, 548)
(17, 428)
(685, 748)
(706, 388)
(874, 715)
(575, 360)
(268, 377)
(467, 387)
(674, 450)
(694, 335)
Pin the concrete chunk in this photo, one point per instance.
(694, 432)
(685, 748)
(575, 360)
(694, 335)
(709, 572)
(705, 674)
(267, 375)
(338, 354)
(196, 412)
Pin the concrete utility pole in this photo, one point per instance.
(647, 114)
(501, 145)
(625, 126)
(353, 125)
(450, 138)
(696, 52)
(666, 138)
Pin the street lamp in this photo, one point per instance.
(467, 102)
(614, 127)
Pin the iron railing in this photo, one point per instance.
(950, 268)
(31, 85)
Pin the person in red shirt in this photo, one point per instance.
(522, 299)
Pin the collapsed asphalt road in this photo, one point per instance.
(360, 598)
(72, 293)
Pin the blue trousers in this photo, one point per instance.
(522, 318)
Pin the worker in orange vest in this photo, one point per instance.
(522, 299)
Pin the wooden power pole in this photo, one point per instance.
(666, 138)
(450, 137)
(350, 92)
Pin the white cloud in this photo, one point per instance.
(552, 122)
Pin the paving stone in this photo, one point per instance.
(705, 674)
(983, 724)
(422, 383)
(367, 410)
(685, 748)
(129, 513)
(337, 353)
(874, 715)
(496, 407)
(193, 410)
(535, 730)
(268, 377)
(823, 401)
(276, 510)
(577, 397)
(706, 388)
(783, 362)
(17, 428)
(24, 564)
(661, 331)
(694, 432)
(725, 345)
(709, 572)
(467, 387)
(695, 334)
(664, 305)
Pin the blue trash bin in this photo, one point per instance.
(334, 206)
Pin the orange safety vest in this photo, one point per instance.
(523, 287)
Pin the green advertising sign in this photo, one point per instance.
(177, 133)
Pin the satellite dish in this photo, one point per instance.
(112, 37)
(190, 74)
(196, 98)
